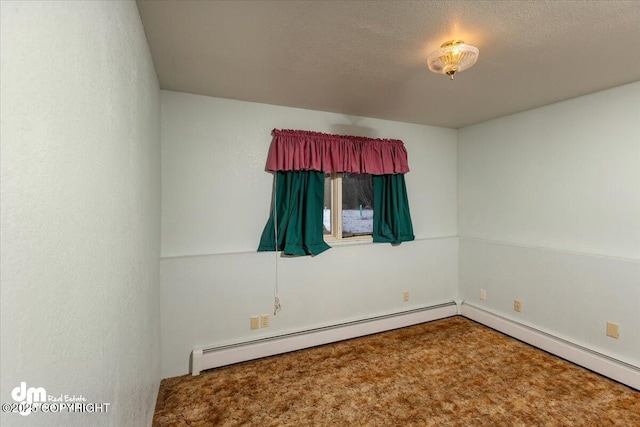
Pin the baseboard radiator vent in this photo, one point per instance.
(615, 369)
(213, 357)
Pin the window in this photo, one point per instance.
(348, 207)
(300, 159)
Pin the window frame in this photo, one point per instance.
(335, 235)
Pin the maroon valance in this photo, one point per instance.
(294, 150)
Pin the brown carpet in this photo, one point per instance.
(451, 372)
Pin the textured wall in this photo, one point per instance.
(216, 193)
(549, 213)
(564, 176)
(216, 198)
(80, 209)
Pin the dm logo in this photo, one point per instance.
(28, 396)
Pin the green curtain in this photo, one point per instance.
(299, 197)
(391, 217)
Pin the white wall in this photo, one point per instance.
(549, 213)
(80, 209)
(216, 197)
(549, 204)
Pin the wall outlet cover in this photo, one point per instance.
(255, 322)
(613, 330)
(517, 305)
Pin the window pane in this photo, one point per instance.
(326, 213)
(357, 204)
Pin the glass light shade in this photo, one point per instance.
(453, 57)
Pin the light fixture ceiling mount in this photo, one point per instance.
(453, 57)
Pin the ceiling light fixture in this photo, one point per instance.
(453, 57)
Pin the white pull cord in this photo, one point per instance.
(276, 303)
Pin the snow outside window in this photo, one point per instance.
(348, 207)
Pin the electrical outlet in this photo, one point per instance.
(613, 330)
(264, 321)
(255, 323)
(483, 294)
(517, 305)
(405, 296)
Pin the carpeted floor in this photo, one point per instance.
(451, 372)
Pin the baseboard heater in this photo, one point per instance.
(216, 356)
(615, 369)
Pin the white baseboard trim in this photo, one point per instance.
(213, 357)
(609, 367)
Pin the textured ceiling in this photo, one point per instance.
(368, 58)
